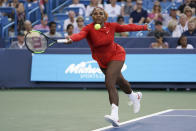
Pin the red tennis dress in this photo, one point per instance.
(101, 41)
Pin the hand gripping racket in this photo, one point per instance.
(37, 42)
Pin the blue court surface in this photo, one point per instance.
(168, 120)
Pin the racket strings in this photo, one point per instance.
(36, 42)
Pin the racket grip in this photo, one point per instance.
(62, 41)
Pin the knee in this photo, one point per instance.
(110, 78)
(122, 82)
(109, 84)
(119, 80)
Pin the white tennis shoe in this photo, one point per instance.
(136, 102)
(112, 120)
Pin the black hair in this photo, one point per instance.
(95, 9)
(50, 23)
(120, 17)
(158, 22)
(159, 35)
(105, 13)
(180, 39)
(69, 25)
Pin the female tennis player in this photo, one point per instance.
(110, 56)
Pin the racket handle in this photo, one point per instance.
(62, 41)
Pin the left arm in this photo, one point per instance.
(129, 27)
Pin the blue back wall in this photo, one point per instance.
(15, 66)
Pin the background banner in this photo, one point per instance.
(137, 68)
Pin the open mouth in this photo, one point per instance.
(98, 20)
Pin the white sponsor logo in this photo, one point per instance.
(87, 69)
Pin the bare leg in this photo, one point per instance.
(124, 84)
(115, 77)
(111, 74)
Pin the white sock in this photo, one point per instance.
(132, 96)
(114, 111)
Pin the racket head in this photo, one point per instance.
(36, 41)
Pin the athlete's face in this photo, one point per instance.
(98, 16)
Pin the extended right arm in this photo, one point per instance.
(81, 35)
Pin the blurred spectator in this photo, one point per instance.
(182, 43)
(80, 24)
(172, 25)
(191, 3)
(75, 3)
(194, 19)
(43, 25)
(93, 4)
(70, 20)
(18, 5)
(30, 1)
(181, 27)
(11, 31)
(127, 8)
(160, 43)
(191, 29)
(28, 26)
(42, 4)
(69, 30)
(139, 15)
(3, 3)
(20, 13)
(113, 9)
(178, 1)
(100, 1)
(158, 29)
(188, 12)
(52, 32)
(172, 16)
(19, 44)
(156, 13)
(120, 20)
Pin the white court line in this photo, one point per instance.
(185, 109)
(177, 115)
(136, 119)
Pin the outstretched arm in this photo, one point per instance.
(130, 27)
(79, 36)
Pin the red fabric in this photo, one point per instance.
(101, 42)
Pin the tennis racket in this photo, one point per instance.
(37, 42)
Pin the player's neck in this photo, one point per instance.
(102, 25)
